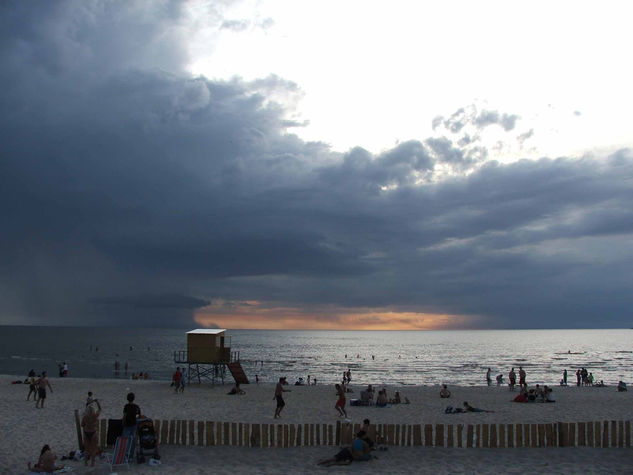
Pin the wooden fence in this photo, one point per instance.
(557, 434)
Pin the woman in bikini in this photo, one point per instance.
(90, 424)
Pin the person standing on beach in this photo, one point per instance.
(131, 412)
(488, 378)
(32, 388)
(565, 377)
(340, 403)
(522, 382)
(513, 379)
(90, 424)
(41, 390)
(176, 379)
(279, 390)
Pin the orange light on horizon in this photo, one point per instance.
(252, 315)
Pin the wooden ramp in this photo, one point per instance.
(238, 372)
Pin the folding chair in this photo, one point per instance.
(122, 452)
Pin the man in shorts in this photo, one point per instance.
(41, 390)
(279, 390)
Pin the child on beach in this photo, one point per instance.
(444, 392)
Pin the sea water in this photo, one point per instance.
(377, 357)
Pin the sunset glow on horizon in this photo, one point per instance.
(254, 316)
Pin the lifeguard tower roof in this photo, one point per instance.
(208, 331)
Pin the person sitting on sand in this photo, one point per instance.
(46, 462)
(366, 428)
(381, 400)
(499, 379)
(621, 386)
(549, 395)
(444, 392)
(469, 408)
(360, 448)
(236, 389)
(396, 398)
(521, 397)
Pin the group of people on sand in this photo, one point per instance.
(359, 451)
(512, 379)
(90, 426)
(536, 394)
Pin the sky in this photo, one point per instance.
(317, 165)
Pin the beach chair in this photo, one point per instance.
(123, 453)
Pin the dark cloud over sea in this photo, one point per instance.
(131, 191)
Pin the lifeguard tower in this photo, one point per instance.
(208, 354)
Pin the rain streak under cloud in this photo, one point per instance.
(134, 192)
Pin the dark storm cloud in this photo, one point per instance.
(132, 192)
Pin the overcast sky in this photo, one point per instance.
(316, 165)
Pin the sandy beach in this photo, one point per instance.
(27, 429)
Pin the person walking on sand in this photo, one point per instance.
(41, 390)
(340, 403)
(279, 390)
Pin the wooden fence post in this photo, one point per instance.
(280, 436)
(520, 435)
(469, 435)
(439, 435)
(200, 432)
(265, 436)
(330, 434)
(581, 434)
(164, 431)
(338, 433)
(510, 428)
(605, 434)
(621, 434)
(428, 435)
(256, 437)
(485, 435)
(590, 435)
(493, 436)
(286, 436)
(293, 435)
(172, 431)
(299, 437)
(502, 436)
(233, 434)
(460, 435)
(597, 431)
(191, 433)
(572, 434)
(218, 433)
(417, 435)
(614, 440)
(478, 435)
(450, 436)
(533, 435)
(627, 433)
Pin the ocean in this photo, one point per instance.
(376, 357)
